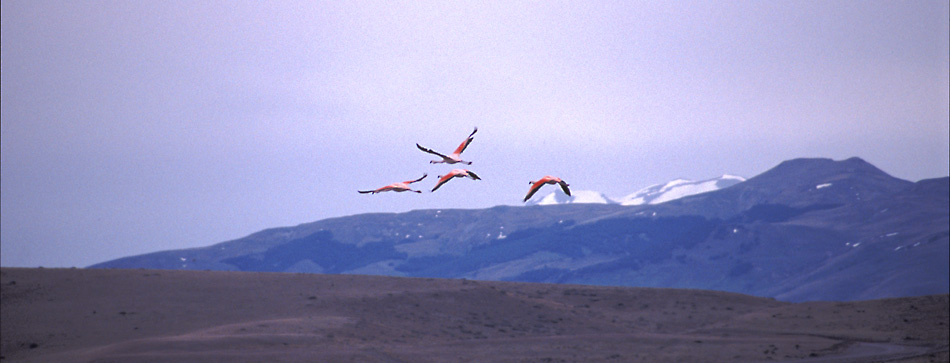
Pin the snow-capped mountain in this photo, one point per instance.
(845, 230)
(679, 188)
(577, 197)
(654, 194)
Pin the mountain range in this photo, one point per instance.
(807, 229)
(653, 194)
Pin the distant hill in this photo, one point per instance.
(807, 229)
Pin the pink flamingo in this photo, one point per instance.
(396, 187)
(456, 155)
(547, 179)
(456, 173)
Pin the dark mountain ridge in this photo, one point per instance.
(807, 229)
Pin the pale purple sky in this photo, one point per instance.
(137, 126)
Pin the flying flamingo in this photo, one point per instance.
(547, 179)
(396, 187)
(456, 173)
(456, 155)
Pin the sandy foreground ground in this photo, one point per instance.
(81, 315)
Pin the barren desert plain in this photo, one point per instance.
(101, 315)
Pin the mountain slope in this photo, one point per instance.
(808, 229)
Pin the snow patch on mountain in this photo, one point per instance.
(654, 194)
(679, 188)
(576, 197)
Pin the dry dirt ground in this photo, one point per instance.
(80, 315)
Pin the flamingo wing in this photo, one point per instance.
(413, 181)
(465, 143)
(445, 178)
(430, 151)
(564, 185)
(472, 174)
(534, 189)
